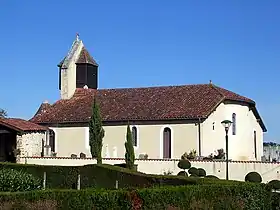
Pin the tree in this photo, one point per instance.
(3, 113)
(129, 149)
(96, 133)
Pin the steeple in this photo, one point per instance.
(77, 69)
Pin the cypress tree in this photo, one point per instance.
(129, 149)
(96, 132)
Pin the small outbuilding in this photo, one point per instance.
(20, 138)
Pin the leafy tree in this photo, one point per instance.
(3, 113)
(129, 149)
(96, 133)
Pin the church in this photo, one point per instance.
(166, 121)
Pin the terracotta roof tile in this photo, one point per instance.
(152, 103)
(21, 125)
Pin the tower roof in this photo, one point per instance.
(85, 57)
(83, 54)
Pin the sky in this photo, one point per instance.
(234, 43)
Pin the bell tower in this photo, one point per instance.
(77, 69)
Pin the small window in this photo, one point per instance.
(134, 136)
(167, 143)
(52, 140)
(255, 144)
(213, 126)
(233, 124)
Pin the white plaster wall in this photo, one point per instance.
(68, 76)
(241, 145)
(71, 140)
(74, 140)
(237, 170)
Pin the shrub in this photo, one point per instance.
(253, 177)
(274, 184)
(184, 164)
(182, 173)
(242, 196)
(194, 175)
(190, 156)
(193, 171)
(201, 172)
(12, 180)
(275, 201)
(211, 177)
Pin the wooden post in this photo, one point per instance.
(79, 182)
(44, 180)
(117, 184)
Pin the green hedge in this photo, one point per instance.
(103, 176)
(227, 197)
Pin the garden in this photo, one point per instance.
(102, 186)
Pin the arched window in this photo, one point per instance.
(134, 136)
(233, 124)
(52, 140)
(166, 143)
(255, 144)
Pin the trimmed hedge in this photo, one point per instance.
(12, 180)
(103, 176)
(242, 196)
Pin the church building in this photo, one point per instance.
(166, 121)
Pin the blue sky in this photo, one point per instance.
(234, 43)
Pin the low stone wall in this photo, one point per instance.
(237, 169)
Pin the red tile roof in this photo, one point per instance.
(152, 103)
(21, 125)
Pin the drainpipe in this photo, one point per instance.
(199, 138)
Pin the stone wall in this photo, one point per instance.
(237, 169)
(30, 144)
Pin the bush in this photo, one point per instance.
(182, 173)
(201, 172)
(275, 201)
(193, 171)
(102, 176)
(253, 177)
(242, 196)
(211, 177)
(12, 180)
(274, 184)
(184, 164)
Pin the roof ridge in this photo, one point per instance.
(216, 88)
(146, 87)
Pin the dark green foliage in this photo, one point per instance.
(211, 177)
(62, 177)
(233, 197)
(182, 173)
(184, 164)
(12, 180)
(275, 201)
(194, 175)
(274, 184)
(96, 132)
(253, 177)
(201, 172)
(129, 150)
(103, 176)
(193, 171)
